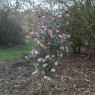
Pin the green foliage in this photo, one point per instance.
(81, 25)
(13, 52)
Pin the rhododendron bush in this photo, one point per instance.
(50, 43)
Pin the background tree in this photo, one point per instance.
(80, 23)
(10, 29)
(81, 27)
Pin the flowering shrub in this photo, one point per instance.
(50, 43)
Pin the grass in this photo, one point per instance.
(14, 52)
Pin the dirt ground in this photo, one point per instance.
(79, 78)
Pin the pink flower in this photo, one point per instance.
(67, 23)
(63, 35)
(44, 27)
(49, 43)
(57, 31)
(44, 65)
(41, 60)
(53, 70)
(33, 49)
(48, 56)
(67, 15)
(37, 35)
(68, 36)
(60, 36)
(50, 32)
(31, 33)
(56, 63)
(53, 18)
(62, 47)
(36, 52)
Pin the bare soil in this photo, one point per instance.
(79, 78)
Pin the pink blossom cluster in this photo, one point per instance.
(64, 36)
(41, 60)
(44, 27)
(35, 51)
(67, 15)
